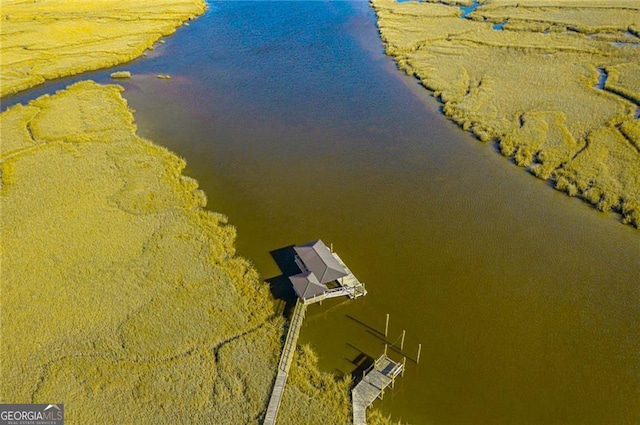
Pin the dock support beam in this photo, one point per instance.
(386, 327)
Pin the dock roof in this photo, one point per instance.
(320, 261)
(307, 285)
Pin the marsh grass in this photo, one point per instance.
(532, 86)
(107, 240)
(624, 80)
(49, 39)
(304, 401)
(120, 75)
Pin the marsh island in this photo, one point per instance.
(555, 85)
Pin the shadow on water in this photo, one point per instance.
(362, 362)
(280, 286)
(373, 330)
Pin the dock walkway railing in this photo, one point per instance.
(331, 293)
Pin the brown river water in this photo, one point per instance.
(526, 302)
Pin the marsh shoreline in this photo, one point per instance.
(583, 139)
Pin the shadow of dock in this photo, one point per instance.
(361, 362)
(371, 329)
(280, 286)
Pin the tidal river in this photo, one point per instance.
(526, 302)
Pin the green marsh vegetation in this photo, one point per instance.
(557, 88)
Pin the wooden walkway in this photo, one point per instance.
(349, 286)
(350, 281)
(332, 293)
(380, 376)
(285, 362)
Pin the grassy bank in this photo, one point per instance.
(49, 39)
(555, 85)
(116, 283)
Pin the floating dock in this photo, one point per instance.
(379, 376)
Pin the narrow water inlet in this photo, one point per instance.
(602, 78)
(466, 10)
(499, 26)
(603, 75)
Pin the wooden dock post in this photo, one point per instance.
(402, 341)
(419, 350)
(385, 349)
(404, 362)
(386, 327)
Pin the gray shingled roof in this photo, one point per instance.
(306, 285)
(320, 261)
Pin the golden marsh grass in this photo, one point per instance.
(533, 86)
(49, 39)
(109, 258)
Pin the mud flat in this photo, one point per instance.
(55, 38)
(554, 85)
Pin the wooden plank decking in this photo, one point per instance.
(350, 280)
(379, 377)
(276, 398)
(285, 363)
(332, 293)
(349, 286)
